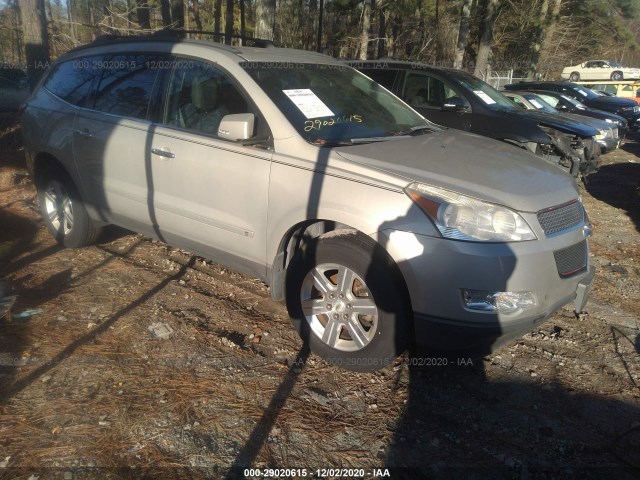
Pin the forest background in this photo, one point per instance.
(531, 38)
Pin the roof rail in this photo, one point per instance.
(180, 34)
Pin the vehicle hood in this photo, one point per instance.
(477, 166)
(591, 121)
(599, 114)
(610, 103)
(558, 122)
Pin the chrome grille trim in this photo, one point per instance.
(571, 260)
(559, 219)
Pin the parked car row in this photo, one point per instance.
(459, 100)
(377, 227)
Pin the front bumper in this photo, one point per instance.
(436, 277)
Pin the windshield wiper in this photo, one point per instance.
(414, 130)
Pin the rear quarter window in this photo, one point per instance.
(72, 80)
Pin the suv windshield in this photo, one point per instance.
(489, 95)
(539, 103)
(585, 93)
(329, 104)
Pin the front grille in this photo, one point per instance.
(571, 260)
(560, 218)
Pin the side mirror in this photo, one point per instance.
(237, 126)
(454, 104)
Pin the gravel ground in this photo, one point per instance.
(138, 360)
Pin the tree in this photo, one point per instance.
(265, 15)
(177, 13)
(165, 9)
(217, 15)
(228, 23)
(366, 26)
(35, 38)
(463, 33)
(142, 11)
(537, 43)
(486, 38)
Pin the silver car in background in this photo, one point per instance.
(378, 228)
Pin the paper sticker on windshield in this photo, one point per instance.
(536, 104)
(484, 97)
(308, 103)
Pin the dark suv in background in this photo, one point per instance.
(626, 108)
(459, 100)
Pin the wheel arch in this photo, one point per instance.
(45, 162)
(300, 235)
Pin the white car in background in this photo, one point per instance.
(600, 70)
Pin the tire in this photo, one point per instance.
(617, 76)
(347, 300)
(574, 77)
(63, 210)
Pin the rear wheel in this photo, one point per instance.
(617, 76)
(63, 211)
(574, 77)
(347, 302)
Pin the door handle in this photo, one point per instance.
(83, 132)
(163, 153)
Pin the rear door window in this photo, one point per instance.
(127, 84)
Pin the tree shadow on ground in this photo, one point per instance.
(625, 180)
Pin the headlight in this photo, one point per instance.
(460, 217)
(601, 135)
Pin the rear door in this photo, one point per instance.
(112, 135)
(209, 194)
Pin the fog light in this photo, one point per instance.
(501, 302)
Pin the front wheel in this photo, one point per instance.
(63, 211)
(617, 76)
(574, 77)
(347, 301)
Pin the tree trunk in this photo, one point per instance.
(165, 10)
(36, 40)
(196, 15)
(265, 14)
(217, 15)
(486, 38)
(320, 24)
(144, 19)
(228, 23)
(177, 13)
(463, 33)
(537, 41)
(382, 33)
(549, 33)
(72, 27)
(366, 26)
(243, 30)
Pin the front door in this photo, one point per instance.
(208, 194)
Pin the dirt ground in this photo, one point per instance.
(87, 390)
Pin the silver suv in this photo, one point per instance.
(378, 228)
